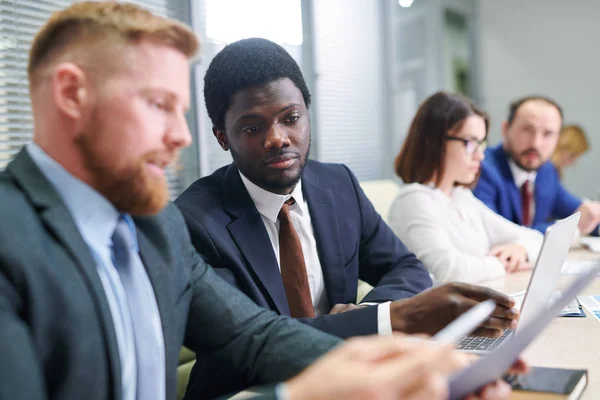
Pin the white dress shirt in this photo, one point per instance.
(452, 236)
(521, 176)
(268, 205)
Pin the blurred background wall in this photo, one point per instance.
(548, 47)
(368, 63)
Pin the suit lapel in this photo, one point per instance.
(59, 221)
(327, 235)
(515, 199)
(248, 231)
(509, 183)
(542, 192)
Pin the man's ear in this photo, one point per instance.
(69, 90)
(221, 138)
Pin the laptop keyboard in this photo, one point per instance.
(481, 343)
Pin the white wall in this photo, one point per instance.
(545, 47)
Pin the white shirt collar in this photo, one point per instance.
(269, 204)
(520, 175)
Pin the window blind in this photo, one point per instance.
(19, 22)
(350, 86)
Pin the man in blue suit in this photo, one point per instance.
(296, 235)
(517, 179)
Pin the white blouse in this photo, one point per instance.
(452, 236)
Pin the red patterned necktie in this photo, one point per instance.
(526, 203)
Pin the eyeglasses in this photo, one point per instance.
(470, 145)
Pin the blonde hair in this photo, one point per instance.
(572, 140)
(107, 24)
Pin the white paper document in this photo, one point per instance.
(592, 303)
(465, 323)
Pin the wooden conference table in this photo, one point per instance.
(567, 342)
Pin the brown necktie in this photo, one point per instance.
(526, 203)
(293, 268)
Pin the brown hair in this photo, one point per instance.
(106, 24)
(571, 140)
(422, 155)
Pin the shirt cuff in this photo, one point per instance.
(281, 392)
(384, 319)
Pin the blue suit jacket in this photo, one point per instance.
(497, 189)
(352, 241)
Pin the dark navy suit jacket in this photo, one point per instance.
(353, 243)
(497, 189)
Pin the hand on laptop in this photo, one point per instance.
(431, 310)
(513, 256)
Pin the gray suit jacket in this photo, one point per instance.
(57, 340)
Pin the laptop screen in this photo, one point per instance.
(557, 241)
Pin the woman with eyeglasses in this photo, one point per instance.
(436, 216)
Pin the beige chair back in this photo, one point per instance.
(382, 194)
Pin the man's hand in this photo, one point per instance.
(513, 256)
(392, 367)
(499, 389)
(341, 308)
(433, 309)
(496, 390)
(590, 216)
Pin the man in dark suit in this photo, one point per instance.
(296, 235)
(517, 179)
(99, 283)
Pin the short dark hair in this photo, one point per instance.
(245, 63)
(423, 152)
(514, 106)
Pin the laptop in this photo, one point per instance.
(539, 294)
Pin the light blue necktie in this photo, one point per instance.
(145, 317)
